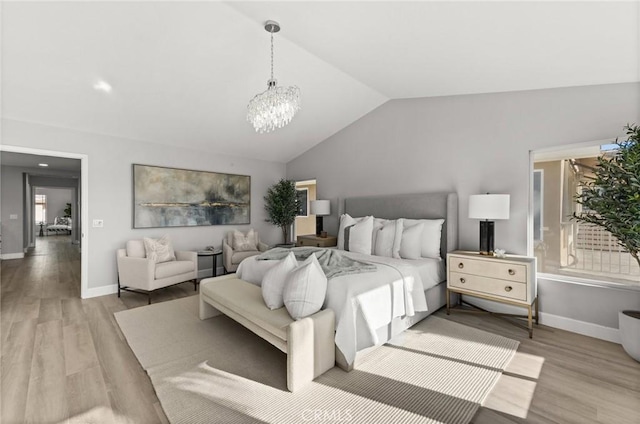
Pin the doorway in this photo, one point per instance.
(305, 221)
(30, 168)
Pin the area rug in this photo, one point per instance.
(216, 371)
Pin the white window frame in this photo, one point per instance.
(44, 209)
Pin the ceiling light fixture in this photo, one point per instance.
(275, 107)
(102, 86)
(43, 164)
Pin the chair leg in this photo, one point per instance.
(149, 295)
(118, 286)
(195, 284)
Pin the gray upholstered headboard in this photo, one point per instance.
(413, 206)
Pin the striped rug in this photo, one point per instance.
(216, 371)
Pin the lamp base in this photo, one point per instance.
(319, 229)
(486, 237)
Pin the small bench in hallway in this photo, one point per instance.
(308, 342)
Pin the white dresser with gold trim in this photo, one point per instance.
(510, 280)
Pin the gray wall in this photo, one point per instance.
(12, 204)
(57, 199)
(474, 144)
(110, 185)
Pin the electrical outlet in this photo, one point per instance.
(98, 223)
(13, 216)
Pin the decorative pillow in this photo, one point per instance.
(242, 243)
(357, 237)
(345, 221)
(159, 250)
(397, 240)
(305, 289)
(136, 249)
(275, 279)
(384, 239)
(411, 243)
(431, 235)
(378, 223)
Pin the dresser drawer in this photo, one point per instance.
(489, 286)
(489, 268)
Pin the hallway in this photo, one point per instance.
(64, 358)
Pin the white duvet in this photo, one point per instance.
(367, 301)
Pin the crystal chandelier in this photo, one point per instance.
(275, 107)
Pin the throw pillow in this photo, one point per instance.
(385, 238)
(397, 240)
(159, 250)
(431, 235)
(411, 243)
(275, 279)
(242, 243)
(345, 221)
(136, 249)
(357, 237)
(305, 289)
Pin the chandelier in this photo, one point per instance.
(275, 107)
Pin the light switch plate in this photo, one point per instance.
(13, 216)
(98, 223)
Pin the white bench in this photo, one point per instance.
(309, 342)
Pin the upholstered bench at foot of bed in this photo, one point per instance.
(308, 343)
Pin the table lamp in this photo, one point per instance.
(488, 207)
(320, 208)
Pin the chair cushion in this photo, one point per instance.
(135, 249)
(238, 257)
(159, 250)
(171, 268)
(245, 243)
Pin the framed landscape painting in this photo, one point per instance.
(170, 197)
(303, 196)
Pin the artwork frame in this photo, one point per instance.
(303, 195)
(175, 197)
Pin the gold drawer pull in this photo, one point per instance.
(462, 280)
(512, 272)
(460, 265)
(508, 288)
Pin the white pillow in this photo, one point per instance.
(397, 240)
(305, 289)
(275, 279)
(159, 250)
(384, 239)
(378, 223)
(411, 243)
(357, 237)
(431, 235)
(345, 221)
(242, 243)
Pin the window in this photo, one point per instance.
(562, 245)
(41, 209)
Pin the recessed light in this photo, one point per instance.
(102, 86)
(43, 164)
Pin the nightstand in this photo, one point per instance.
(317, 241)
(510, 280)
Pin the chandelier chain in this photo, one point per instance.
(272, 54)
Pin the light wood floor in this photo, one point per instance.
(65, 360)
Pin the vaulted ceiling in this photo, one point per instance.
(182, 72)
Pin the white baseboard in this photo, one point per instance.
(581, 327)
(12, 256)
(100, 291)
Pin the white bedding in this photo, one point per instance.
(367, 301)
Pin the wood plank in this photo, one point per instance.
(88, 399)
(79, 351)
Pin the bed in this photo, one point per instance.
(371, 308)
(60, 225)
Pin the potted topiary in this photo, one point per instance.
(611, 200)
(282, 204)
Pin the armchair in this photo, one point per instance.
(232, 258)
(139, 274)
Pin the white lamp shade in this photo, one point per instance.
(320, 207)
(489, 206)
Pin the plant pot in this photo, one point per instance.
(629, 325)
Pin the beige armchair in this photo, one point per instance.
(137, 273)
(232, 258)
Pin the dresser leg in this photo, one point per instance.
(530, 323)
(537, 311)
(448, 300)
